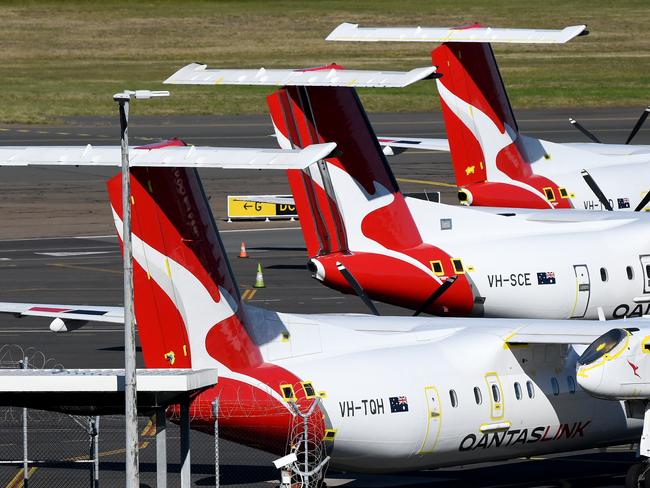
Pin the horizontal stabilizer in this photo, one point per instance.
(474, 33)
(405, 143)
(84, 313)
(200, 74)
(173, 156)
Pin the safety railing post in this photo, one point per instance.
(215, 413)
(24, 364)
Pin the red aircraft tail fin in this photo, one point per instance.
(489, 158)
(351, 201)
(187, 304)
(481, 127)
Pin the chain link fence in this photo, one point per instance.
(60, 447)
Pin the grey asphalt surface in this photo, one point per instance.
(49, 211)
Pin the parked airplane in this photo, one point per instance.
(363, 236)
(517, 397)
(395, 393)
(494, 164)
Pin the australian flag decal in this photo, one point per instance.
(398, 404)
(546, 278)
(623, 202)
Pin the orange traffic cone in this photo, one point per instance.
(242, 250)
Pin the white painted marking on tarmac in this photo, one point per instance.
(93, 237)
(26, 239)
(66, 254)
(5, 259)
(36, 249)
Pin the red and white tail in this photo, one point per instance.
(482, 130)
(189, 311)
(351, 209)
(187, 305)
(488, 155)
(347, 202)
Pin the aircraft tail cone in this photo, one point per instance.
(259, 278)
(242, 250)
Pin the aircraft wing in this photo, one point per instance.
(83, 313)
(569, 333)
(173, 156)
(397, 145)
(473, 33)
(200, 74)
(610, 149)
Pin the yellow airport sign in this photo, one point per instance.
(260, 206)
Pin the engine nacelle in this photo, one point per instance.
(60, 325)
(616, 366)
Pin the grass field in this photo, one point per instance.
(68, 58)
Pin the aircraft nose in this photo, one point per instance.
(590, 377)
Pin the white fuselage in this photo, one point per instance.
(585, 260)
(521, 262)
(622, 172)
(365, 365)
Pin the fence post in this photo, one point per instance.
(95, 433)
(24, 365)
(186, 459)
(306, 437)
(215, 413)
(161, 447)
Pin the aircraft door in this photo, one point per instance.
(583, 290)
(434, 417)
(645, 264)
(495, 392)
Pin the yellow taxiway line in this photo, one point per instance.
(426, 182)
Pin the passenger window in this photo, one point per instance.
(555, 386)
(531, 389)
(496, 394)
(517, 390)
(453, 398)
(477, 395)
(647, 269)
(571, 383)
(603, 274)
(630, 272)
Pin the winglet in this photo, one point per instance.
(474, 33)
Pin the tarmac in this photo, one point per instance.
(57, 245)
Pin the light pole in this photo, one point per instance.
(130, 388)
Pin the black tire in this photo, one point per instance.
(633, 474)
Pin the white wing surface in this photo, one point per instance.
(173, 156)
(474, 33)
(200, 74)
